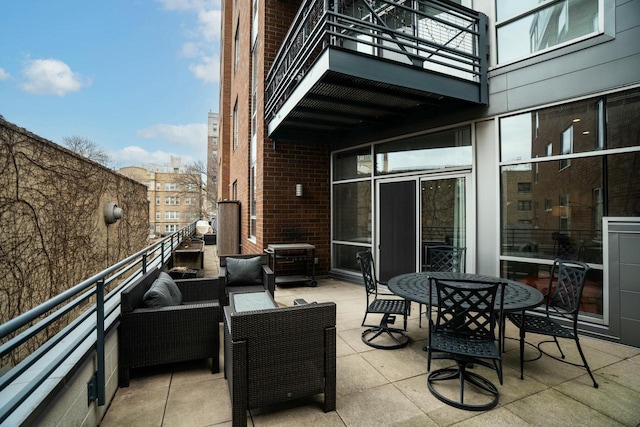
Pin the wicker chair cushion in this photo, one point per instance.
(244, 271)
(163, 293)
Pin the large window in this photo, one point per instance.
(567, 204)
(446, 149)
(352, 212)
(352, 225)
(352, 208)
(525, 27)
(172, 215)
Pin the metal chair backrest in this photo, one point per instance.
(445, 258)
(566, 294)
(368, 271)
(467, 309)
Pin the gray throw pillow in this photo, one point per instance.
(163, 293)
(244, 271)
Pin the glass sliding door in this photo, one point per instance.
(410, 220)
(443, 213)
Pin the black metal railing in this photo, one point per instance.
(85, 329)
(431, 35)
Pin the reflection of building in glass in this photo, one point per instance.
(563, 21)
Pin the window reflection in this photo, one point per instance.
(562, 215)
(537, 275)
(352, 164)
(352, 212)
(577, 127)
(450, 148)
(537, 30)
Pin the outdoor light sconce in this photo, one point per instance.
(112, 213)
(298, 190)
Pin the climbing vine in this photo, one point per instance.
(52, 231)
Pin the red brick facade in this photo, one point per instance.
(281, 217)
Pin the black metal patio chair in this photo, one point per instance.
(382, 335)
(562, 303)
(442, 258)
(464, 331)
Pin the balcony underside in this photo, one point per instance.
(345, 91)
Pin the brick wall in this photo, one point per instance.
(281, 216)
(298, 219)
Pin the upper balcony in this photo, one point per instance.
(351, 63)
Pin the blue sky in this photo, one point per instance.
(137, 77)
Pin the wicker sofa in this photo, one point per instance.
(263, 279)
(176, 333)
(278, 355)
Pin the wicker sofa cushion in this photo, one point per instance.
(163, 293)
(244, 271)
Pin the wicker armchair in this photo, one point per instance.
(155, 336)
(264, 282)
(278, 355)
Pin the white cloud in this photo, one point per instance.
(203, 37)
(208, 69)
(3, 74)
(209, 24)
(193, 135)
(191, 50)
(137, 156)
(50, 77)
(189, 4)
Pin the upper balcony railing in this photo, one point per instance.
(432, 35)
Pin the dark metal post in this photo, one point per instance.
(483, 55)
(100, 341)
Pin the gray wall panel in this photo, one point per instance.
(627, 15)
(630, 330)
(594, 79)
(624, 280)
(629, 278)
(630, 246)
(629, 303)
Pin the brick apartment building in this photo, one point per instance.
(509, 128)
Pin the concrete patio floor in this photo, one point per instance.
(388, 387)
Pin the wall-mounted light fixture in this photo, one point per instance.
(112, 213)
(298, 190)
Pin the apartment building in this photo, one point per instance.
(212, 164)
(174, 194)
(511, 128)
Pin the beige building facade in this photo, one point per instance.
(174, 194)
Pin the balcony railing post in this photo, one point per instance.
(100, 341)
(96, 386)
(483, 57)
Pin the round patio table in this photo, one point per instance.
(415, 287)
